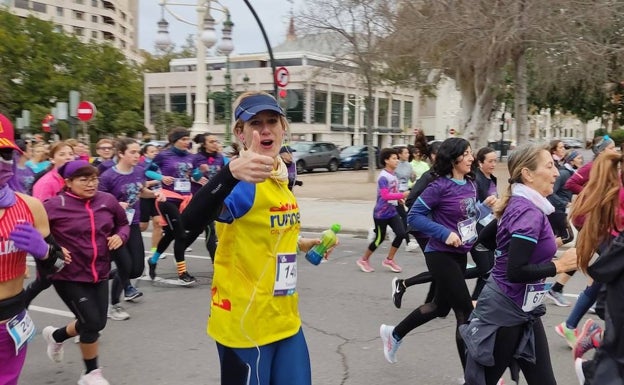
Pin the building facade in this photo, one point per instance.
(102, 21)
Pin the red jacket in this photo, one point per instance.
(579, 179)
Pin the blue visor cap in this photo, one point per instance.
(251, 105)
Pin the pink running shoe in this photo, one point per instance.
(364, 266)
(390, 264)
(589, 338)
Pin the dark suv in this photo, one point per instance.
(310, 155)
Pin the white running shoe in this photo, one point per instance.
(54, 349)
(117, 313)
(390, 345)
(412, 246)
(94, 377)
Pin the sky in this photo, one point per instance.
(247, 37)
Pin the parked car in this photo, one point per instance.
(569, 143)
(310, 155)
(356, 157)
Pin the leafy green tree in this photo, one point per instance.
(165, 121)
(130, 123)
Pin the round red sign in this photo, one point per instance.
(86, 111)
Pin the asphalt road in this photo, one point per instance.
(165, 340)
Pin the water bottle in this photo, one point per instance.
(328, 239)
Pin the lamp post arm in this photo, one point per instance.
(268, 44)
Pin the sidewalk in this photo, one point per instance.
(355, 217)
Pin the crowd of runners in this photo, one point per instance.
(81, 219)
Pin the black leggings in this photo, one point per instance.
(211, 240)
(174, 230)
(130, 262)
(380, 232)
(484, 261)
(403, 214)
(507, 339)
(88, 302)
(451, 292)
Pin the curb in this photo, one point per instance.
(359, 233)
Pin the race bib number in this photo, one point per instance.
(182, 185)
(467, 231)
(534, 295)
(485, 221)
(130, 214)
(21, 328)
(286, 275)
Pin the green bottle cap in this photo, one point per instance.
(335, 228)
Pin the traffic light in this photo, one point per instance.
(283, 93)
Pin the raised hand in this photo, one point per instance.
(250, 166)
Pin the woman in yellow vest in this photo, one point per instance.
(254, 316)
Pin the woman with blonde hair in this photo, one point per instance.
(254, 316)
(505, 329)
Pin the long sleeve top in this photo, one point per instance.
(83, 226)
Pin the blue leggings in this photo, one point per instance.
(283, 362)
(585, 300)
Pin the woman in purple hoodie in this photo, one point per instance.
(89, 224)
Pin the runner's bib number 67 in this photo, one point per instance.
(534, 295)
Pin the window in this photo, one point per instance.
(94, 34)
(95, 3)
(78, 31)
(407, 114)
(382, 118)
(178, 102)
(294, 105)
(94, 18)
(23, 4)
(78, 15)
(39, 7)
(395, 121)
(320, 107)
(337, 105)
(59, 11)
(79, 1)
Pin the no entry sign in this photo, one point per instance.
(86, 111)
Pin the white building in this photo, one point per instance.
(114, 22)
(325, 99)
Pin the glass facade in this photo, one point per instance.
(294, 105)
(178, 102)
(337, 105)
(407, 115)
(157, 105)
(382, 118)
(320, 107)
(395, 120)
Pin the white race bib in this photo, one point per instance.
(467, 231)
(182, 185)
(21, 328)
(285, 275)
(534, 295)
(130, 214)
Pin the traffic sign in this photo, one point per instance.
(86, 111)
(282, 76)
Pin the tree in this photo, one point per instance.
(129, 123)
(165, 121)
(357, 29)
(39, 66)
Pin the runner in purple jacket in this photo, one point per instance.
(89, 224)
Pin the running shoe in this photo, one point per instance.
(568, 334)
(390, 344)
(412, 246)
(364, 266)
(54, 349)
(589, 338)
(558, 298)
(117, 313)
(152, 269)
(390, 264)
(94, 377)
(189, 249)
(398, 289)
(131, 293)
(186, 279)
(578, 368)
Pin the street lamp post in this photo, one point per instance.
(226, 47)
(206, 38)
